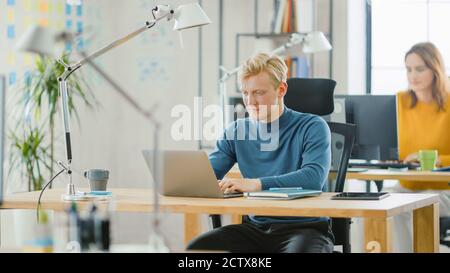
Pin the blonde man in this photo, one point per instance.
(301, 158)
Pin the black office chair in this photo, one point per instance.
(444, 227)
(341, 226)
(315, 96)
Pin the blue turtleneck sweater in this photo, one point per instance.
(293, 151)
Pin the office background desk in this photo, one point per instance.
(378, 214)
(378, 174)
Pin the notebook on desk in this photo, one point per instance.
(282, 194)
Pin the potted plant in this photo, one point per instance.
(32, 140)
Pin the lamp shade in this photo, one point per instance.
(190, 15)
(38, 40)
(316, 42)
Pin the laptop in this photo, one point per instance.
(186, 174)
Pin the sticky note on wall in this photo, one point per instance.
(27, 5)
(35, 6)
(27, 77)
(80, 27)
(59, 8)
(10, 16)
(79, 10)
(43, 22)
(28, 59)
(27, 21)
(68, 47)
(11, 58)
(59, 24)
(10, 31)
(12, 78)
(43, 6)
(69, 24)
(68, 9)
(50, 7)
(80, 44)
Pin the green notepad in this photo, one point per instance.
(282, 194)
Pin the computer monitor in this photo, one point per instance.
(239, 108)
(2, 127)
(376, 125)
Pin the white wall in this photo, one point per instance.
(349, 46)
(356, 73)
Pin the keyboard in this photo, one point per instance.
(383, 165)
(445, 169)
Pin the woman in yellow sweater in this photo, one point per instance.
(424, 111)
(423, 116)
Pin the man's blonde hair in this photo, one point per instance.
(264, 62)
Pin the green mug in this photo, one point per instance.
(428, 159)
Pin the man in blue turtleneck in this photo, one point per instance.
(274, 147)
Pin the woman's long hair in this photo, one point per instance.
(434, 61)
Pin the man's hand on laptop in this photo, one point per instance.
(240, 185)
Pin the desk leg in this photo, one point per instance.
(426, 229)
(236, 219)
(368, 185)
(378, 234)
(192, 227)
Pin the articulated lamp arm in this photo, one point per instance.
(69, 69)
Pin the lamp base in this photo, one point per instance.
(156, 243)
(84, 197)
(70, 190)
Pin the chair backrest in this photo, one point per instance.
(314, 96)
(348, 131)
(444, 228)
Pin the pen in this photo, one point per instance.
(295, 188)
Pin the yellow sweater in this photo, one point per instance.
(423, 128)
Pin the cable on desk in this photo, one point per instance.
(42, 192)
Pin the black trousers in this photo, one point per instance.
(248, 237)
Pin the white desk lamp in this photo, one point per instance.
(311, 42)
(41, 41)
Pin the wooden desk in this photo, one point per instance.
(377, 174)
(378, 214)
